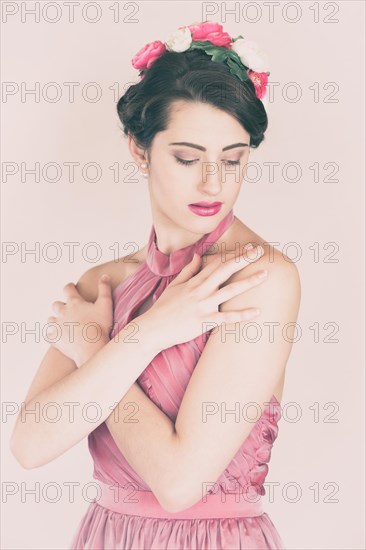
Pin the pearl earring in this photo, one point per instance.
(144, 165)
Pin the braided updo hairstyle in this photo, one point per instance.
(144, 109)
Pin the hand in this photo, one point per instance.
(191, 300)
(83, 326)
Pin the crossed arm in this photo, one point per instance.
(177, 460)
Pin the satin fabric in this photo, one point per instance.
(146, 525)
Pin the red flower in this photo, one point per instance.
(260, 81)
(210, 31)
(147, 55)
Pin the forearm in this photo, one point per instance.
(148, 441)
(100, 382)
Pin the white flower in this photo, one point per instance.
(179, 41)
(251, 55)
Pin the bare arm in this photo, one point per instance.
(38, 439)
(184, 456)
(140, 442)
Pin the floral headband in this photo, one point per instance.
(242, 56)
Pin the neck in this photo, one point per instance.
(171, 237)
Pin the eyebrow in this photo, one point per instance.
(187, 144)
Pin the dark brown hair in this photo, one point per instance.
(145, 107)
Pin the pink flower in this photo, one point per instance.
(260, 81)
(148, 54)
(210, 31)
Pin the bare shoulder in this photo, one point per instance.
(277, 297)
(118, 270)
(283, 275)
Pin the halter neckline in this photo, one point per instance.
(165, 265)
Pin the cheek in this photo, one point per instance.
(172, 179)
(233, 186)
(167, 186)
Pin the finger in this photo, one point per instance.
(58, 307)
(207, 270)
(224, 270)
(239, 316)
(104, 287)
(214, 264)
(52, 319)
(70, 291)
(188, 270)
(51, 327)
(238, 287)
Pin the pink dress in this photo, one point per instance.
(231, 515)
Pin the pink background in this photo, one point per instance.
(324, 460)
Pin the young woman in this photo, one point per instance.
(188, 393)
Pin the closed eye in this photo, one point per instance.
(233, 162)
(185, 162)
(190, 162)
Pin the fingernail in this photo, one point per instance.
(253, 252)
(105, 277)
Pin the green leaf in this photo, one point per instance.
(237, 70)
(202, 45)
(219, 56)
(235, 57)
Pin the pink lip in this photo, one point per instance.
(205, 209)
(208, 204)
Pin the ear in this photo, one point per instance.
(137, 152)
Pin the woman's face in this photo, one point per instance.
(210, 169)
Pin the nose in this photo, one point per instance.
(210, 183)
